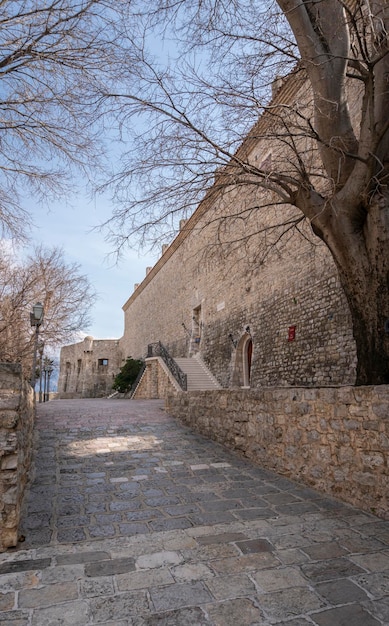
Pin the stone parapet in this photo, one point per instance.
(17, 411)
(334, 439)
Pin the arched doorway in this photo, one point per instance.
(197, 327)
(241, 376)
(247, 360)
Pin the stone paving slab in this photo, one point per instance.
(134, 520)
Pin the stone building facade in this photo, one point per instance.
(261, 304)
(285, 324)
(88, 368)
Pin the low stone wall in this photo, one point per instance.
(17, 411)
(156, 382)
(333, 439)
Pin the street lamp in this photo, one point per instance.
(36, 319)
(41, 347)
(48, 370)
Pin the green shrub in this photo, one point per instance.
(127, 375)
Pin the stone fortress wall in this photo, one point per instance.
(88, 368)
(208, 309)
(262, 310)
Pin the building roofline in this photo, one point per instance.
(291, 85)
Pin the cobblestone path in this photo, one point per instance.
(134, 520)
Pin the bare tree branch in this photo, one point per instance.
(45, 277)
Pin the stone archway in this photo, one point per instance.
(247, 360)
(243, 360)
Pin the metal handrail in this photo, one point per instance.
(135, 384)
(158, 349)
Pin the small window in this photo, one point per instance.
(102, 362)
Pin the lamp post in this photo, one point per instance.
(49, 373)
(41, 347)
(48, 370)
(36, 319)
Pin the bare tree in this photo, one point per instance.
(331, 148)
(55, 57)
(45, 277)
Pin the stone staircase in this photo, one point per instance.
(198, 375)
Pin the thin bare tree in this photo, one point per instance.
(55, 57)
(66, 294)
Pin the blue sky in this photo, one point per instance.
(69, 226)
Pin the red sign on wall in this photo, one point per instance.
(291, 333)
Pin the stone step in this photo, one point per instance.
(198, 375)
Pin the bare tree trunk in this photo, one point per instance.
(361, 254)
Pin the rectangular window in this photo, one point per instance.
(102, 362)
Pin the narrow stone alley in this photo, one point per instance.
(132, 519)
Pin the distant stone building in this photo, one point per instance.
(264, 308)
(88, 368)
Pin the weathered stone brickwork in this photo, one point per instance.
(335, 440)
(88, 368)
(191, 306)
(156, 381)
(266, 307)
(17, 410)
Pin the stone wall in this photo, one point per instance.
(88, 368)
(17, 411)
(334, 439)
(156, 382)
